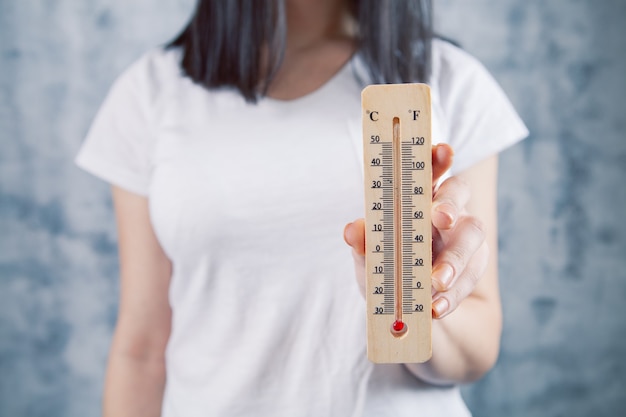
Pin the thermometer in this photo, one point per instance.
(398, 235)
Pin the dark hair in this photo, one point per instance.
(223, 42)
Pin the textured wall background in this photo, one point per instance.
(563, 241)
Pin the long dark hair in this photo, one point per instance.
(223, 42)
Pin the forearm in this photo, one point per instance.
(134, 385)
(465, 344)
(135, 378)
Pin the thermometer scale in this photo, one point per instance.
(398, 231)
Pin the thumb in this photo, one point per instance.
(354, 235)
(442, 155)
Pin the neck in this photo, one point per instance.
(312, 21)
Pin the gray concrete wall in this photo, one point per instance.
(562, 198)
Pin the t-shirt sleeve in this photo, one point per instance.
(117, 146)
(480, 120)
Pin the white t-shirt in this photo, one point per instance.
(249, 202)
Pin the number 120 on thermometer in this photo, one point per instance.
(398, 235)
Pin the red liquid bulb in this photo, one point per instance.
(398, 325)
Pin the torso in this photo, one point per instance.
(249, 202)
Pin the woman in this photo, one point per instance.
(234, 159)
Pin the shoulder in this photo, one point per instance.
(475, 115)
(461, 84)
(152, 72)
(455, 70)
(120, 142)
(447, 54)
(147, 85)
(160, 62)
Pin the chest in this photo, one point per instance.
(252, 175)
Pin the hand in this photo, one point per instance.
(460, 252)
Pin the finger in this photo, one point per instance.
(468, 236)
(354, 235)
(442, 155)
(446, 302)
(448, 202)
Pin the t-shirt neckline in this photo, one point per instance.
(339, 74)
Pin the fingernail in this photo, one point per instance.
(440, 307)
(345, 233)
(444, 210)
(442, 276)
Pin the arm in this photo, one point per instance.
(466, 338)
(136, 369)
(466, 343)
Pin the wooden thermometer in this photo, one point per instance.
(398, 235)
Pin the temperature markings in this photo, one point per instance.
(397, 155)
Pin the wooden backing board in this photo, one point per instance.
(398, 222)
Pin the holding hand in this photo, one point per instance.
(460, 252)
